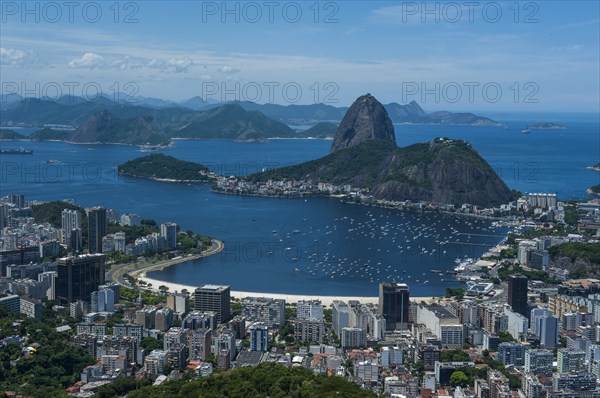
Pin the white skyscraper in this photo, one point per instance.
(71, 219)
(309, 310)
(340, 314)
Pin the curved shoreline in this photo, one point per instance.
(118, 275)
(289, 298)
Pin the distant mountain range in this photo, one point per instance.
(74, 110)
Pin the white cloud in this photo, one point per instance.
(228, 69)
(120, 63)
(11, 56)
(206, 77)
(88, 61)
(176, 65)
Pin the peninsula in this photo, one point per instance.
(365, 160)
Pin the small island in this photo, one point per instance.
(595, 190)
(323, 130)
(160, 167)
(595, 167)
(546, 126)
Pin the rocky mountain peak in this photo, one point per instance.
(365, 120)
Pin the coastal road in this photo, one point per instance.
(118, 271)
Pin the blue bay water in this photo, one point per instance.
(313, 246)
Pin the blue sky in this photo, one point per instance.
(530, 56)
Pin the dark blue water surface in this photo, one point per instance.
(313, 246)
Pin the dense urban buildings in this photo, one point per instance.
(386, 344)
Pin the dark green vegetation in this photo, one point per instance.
(535, 275)
(505, 337)
(189, 242)
(357, 165)
(297, 114)
(74, 111)
(454, 356)
(104, 127)
(148, 297)
(10, 135)
(232, 122)
(50, 135)
(480, 372)
(596, 188)
(122, 386)
(319, 130)
(55, 366)
(443, 171)
(459, 378)
(264, 380)
(164, 167)
(51, 212)
(589, 252)
(458, 292)
(582, 260)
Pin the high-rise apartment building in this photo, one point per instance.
(97, 227)
(214, 298)
(394, 303)
(78, 277)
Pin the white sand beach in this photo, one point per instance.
(326, 300)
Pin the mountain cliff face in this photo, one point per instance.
(443, 171)
(365, 120)
(104, 127)
(364, 154)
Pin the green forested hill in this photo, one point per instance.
(262, 381)
(320, 130)
(160, 166)
(10, 135)
(442, 171)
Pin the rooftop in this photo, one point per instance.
(214, 288)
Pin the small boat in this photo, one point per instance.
(20, 151)
(526, 130)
